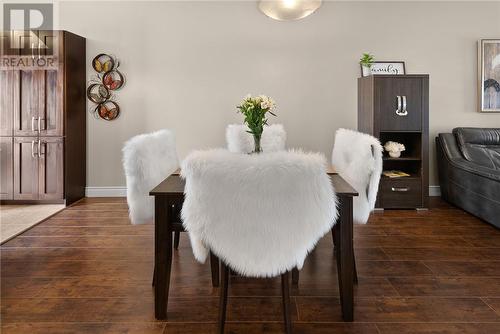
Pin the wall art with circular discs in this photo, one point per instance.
(102, 86)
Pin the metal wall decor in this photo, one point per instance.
(102, 85)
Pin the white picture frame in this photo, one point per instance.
(385, 68)
(488, 75)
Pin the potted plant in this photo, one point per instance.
(366, 63)
(255, 109)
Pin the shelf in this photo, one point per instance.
(402, 131)
(411, 177)
(401, 159)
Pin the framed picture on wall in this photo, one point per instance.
(489, 75)
(385, 68)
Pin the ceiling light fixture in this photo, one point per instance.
(288, 10)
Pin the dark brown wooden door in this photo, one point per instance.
(26, 168)
(51, 102)
(6, 156)
(7, 87)
(405, 113)
(26, 111)
(51, 173)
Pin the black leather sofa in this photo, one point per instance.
(469, 171)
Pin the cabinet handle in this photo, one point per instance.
(39, 148)
(402, 112)
(399, 105)
(400, 190)
(39, 122)
(33, 149)
(33, 124)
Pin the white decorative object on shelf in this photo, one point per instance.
(394, 149)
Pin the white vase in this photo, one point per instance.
(394, 154)
(366, 71)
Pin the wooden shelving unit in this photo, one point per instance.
(396, 108)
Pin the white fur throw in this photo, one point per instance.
(240, 141)
(147, 160)
(260, 213)
(357, 157)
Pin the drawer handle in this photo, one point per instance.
(402, 109)
(400, 190)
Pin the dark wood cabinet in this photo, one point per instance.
(39, 111)
(409, 91)
(50, 168)
(6, 177)
(7, 86)
(25, 168)
(396, 108)
(28, 85)
(43, 114)
(50, 112)
(38, 168)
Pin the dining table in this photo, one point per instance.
(169, 194)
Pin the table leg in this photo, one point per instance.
(295, 277)
(214, 268)
(163, 255)
(345, 258)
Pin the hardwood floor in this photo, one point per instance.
(87, 270)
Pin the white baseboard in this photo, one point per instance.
(434, 191)
(106, 191)
(122, 191)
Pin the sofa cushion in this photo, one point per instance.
(480, 145)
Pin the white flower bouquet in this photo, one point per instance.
(255, 109)
(394, 148)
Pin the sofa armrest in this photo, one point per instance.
(455, 158)
(450, 146)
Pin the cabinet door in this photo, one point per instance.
(25, 168)
(6, 181)
(50, 104)
(51, 173)
(7, 90)
(26, 111)
(392, 110)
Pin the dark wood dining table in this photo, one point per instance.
(170, 193)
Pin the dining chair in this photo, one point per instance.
(240, 141)
(147, 160)
(357, 157)
(260, 214)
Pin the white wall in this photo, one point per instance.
(188, 64)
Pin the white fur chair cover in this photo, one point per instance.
(240, 141)
(261, 213)
(147, 160)
(357, 157)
